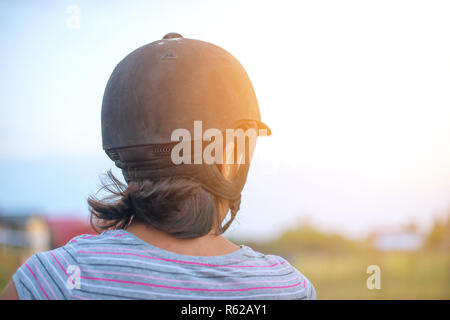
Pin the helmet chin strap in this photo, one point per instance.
(234, 208)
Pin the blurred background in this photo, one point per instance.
(356, 173)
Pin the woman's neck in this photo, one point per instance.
(207, 245)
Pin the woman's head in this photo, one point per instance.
(170, 86)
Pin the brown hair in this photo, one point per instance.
(175, 205)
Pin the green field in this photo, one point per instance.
(404, 275)
(9, 261)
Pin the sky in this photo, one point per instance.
(356, 94)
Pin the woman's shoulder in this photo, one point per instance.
(44, 275)
(285, 268)
(52, 274)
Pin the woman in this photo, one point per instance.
(160, 233)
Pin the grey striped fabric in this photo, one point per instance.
(118, 265)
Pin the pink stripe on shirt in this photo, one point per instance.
(96, 235)
(186, 281)
(178, 261)
(45, 281)
(188, 289)
(42, 289)
(63, 269)
(121, 248)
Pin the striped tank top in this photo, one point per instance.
(118, 265)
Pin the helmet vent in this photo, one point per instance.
(169, 55)
(113, 154)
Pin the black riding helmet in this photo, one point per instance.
(167, 85)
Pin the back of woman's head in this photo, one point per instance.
(177, 206)
(157, 103)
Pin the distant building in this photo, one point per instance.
(64, 229)
(397, 240)
(37, 233)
